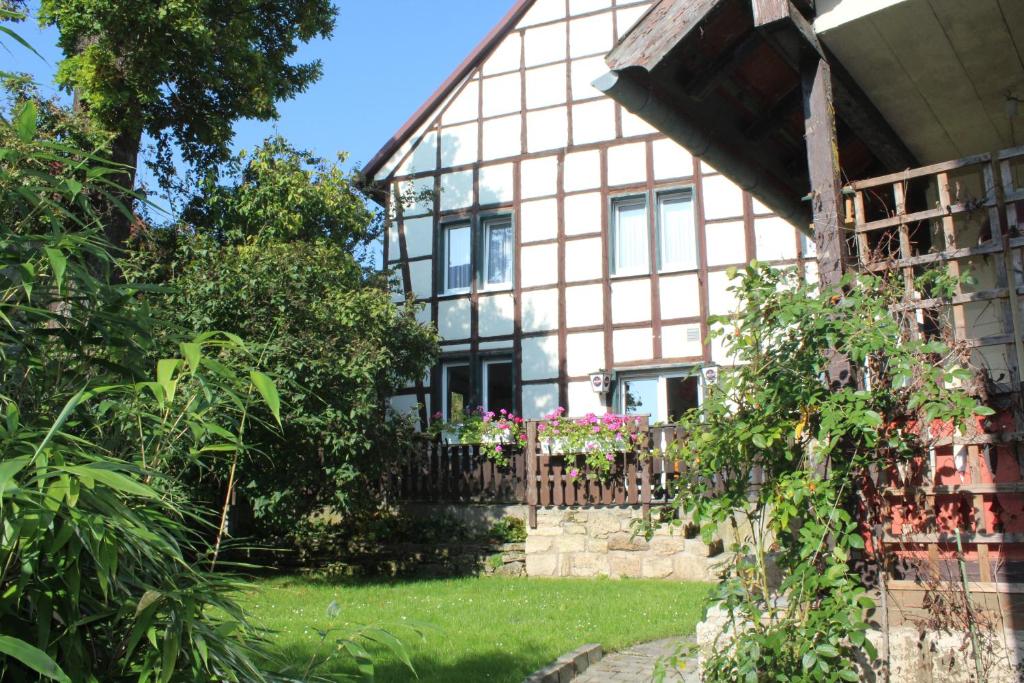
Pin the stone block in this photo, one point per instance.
(626, 541)
(575, 529)
(546, 530)
(604, 523)
(624, 565)
(589, 564)
(578, 516)
(667, 546)
(696, 546)
(597, 545)
(689, 568)
(538, 544)
(570, 544)
(542, 565)
(656, 567)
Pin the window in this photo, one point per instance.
(486, 254)
(497, 252)
(677, 233)
(629, 236)
(664, 397)
(458, 267)
(457, 388)
(499, 388)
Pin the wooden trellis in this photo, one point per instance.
(916, 219)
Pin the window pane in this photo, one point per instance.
(630, 237)
(458, 270)
(682, 395)
(499, 253)
(499, 388)
(677, 239)
(459, 385)
(640, 397)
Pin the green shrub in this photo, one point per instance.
(509, 529)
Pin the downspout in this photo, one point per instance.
(640, 98)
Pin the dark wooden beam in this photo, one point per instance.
(659, 31)
(771, 118)
(703, 82)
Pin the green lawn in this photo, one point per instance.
(485, 629)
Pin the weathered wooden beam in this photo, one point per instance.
(772, 117)
(769, 11)
(703, 82)
(659, 31)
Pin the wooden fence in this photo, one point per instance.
(460, 473)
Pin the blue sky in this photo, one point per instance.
(385, 59)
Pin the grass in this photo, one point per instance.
(482, 629)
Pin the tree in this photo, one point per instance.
(271, 257)
(182, 71)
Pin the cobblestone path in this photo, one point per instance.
(636, 664)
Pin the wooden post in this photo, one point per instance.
(826, 187)
(531, 471)
(645, 468)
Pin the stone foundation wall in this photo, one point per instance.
(599, 542)
(915, 656)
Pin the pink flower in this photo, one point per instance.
(541, 427)
(574, 473)
(504, 412)
(596, 429)
(505, 426)
(498, 449)
(438, 415)
(609, 457)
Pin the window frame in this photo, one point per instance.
(690, 191)
(485, 364)
(446, 228)
(454, 363)
(485, 223)
(662, 376)
(614, 203)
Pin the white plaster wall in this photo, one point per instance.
(539, 177)
(466, 105)
(456, 190)
(583, 73)
(719, 354)
(502, 95)
(421, 273)
(627, 164)
(582, 169)
(722, 198)
(632, 345)
(583, 213)
(591, 35)
(539, 400)
(546, 86)
(677, 342)
(631, 301)
(627, 17)
(496, 185)
(593, 121)
(538, 220)
(502, 137)
(633, 125)
(453, 319)
(584, 353)
(547, 129)
(776, 239)
(583, 260)
(583, 400)
(421, 189)
(454, 348)
(587, 6)
(497, 314)
(540, 310)
(543, 11)
(726, 243)
(506, 57)
(584, 306)
(423, 157)
(394, 248)
(540, 358)
(720, 300)
(419, 237)
(540, 265)
(545, 44)
(680, 296)
(459, 145)
(404, 405)
(671, 160)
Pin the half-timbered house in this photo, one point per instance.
(551, 234)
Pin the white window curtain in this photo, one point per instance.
(458, 266)
(498, 243)
(677, 234)
(630, 236)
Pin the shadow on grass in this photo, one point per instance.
(495, 665)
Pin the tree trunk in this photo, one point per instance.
(124, 153)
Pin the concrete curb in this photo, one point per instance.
(568, 666)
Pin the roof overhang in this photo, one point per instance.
(723, 78)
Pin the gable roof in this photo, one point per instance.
(475, 59)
